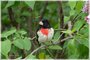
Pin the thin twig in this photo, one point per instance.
(74, 19)
(70, 27)
(61, 15)
(33, 38)
(11, 17)
(57, 39)
(59, 29)
(48, 45)
(66, 38)
(37, 49)
(49, 52)
(42, 12)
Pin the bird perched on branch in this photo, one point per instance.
(45, 32)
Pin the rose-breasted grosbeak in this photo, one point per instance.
(45, 31)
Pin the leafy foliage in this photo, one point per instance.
(5, 49)
(10, 3)
(30, 57)
(5, 34)
(22, 43)
(78, 25)
(17, 39)
(55, 47)
(31, 3)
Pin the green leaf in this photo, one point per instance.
(22, 43)
(55, 47)
(57, 34)
(5, 47)
(25, 13)
(79, 6)
(30, 4)
(72, 12)
(19, 58)
(84, 53)
(5, 34)
(31, 57)
(26, 44)
(85, 31)
(18, 43)
(41, 55)
(10, 3)
(82, 40)
(72, 4)
(56, 37)
(72, 51)
(66, 10)
(78, 25)
(85, 42)
(67, 31)
(52, 7)
(71, 43)
(48, 57)
(66, 19)
(22, 32)
(65, 44)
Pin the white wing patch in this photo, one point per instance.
(51, 33)
(43, 38)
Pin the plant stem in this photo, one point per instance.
(46, 45)
(49, 52)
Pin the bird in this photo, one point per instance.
(45, 32)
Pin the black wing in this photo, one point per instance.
(39, 27)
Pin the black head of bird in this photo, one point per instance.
(44, 24)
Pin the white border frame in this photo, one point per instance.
(43, 0)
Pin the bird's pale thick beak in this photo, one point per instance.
(41, 23)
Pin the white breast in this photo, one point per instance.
(43, 38)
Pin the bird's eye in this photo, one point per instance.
(41, 23)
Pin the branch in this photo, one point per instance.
(61, 17)
(70, 27)
(37, 49)
(13, 23)
(49, 45)
(74, 19)
(43, 10)
(33, 38)
(63, 40)
(60, 11)
(66, 38)
(29, 22)
(11, 17)
(59, 29)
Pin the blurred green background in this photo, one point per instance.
(19, 22)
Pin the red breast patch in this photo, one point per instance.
(44, 31)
